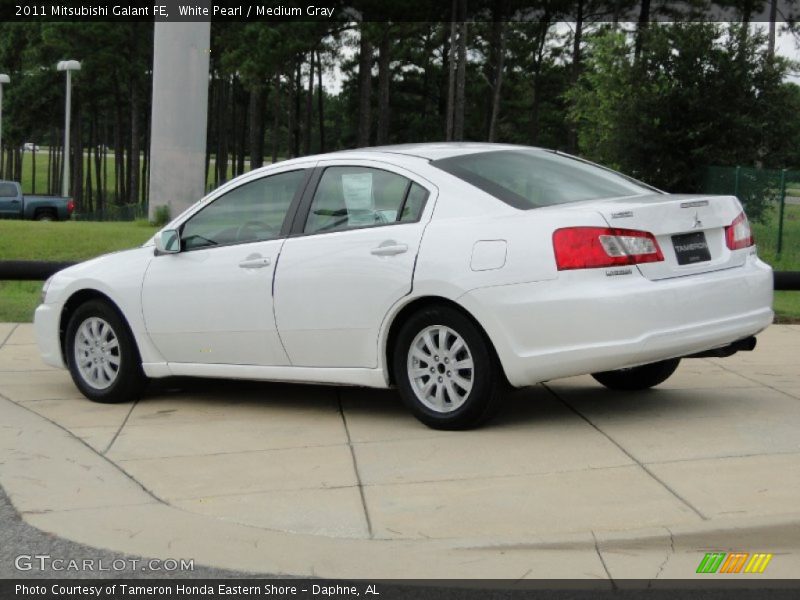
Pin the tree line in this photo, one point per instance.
(660, 101)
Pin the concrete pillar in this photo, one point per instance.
(180, 108)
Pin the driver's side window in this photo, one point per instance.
(252, 212)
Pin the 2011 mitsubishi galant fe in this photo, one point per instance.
(446, 270)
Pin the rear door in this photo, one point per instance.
(689, 229)
(350, 259)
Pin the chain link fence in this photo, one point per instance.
(771, 198)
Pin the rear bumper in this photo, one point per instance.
(585, 321)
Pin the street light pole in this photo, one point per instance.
(3, 80)
(69, 66)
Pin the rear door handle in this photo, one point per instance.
(389, 248)
(255, 263)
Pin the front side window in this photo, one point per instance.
(533, 178)
(8, 190)
(357, 197)
(252, 212)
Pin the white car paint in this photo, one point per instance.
(322, 309)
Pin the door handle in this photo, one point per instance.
(389, 248)
(255, 263)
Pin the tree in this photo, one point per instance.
(364, 87)
(699, 94)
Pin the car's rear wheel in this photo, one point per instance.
(638, 378)
(44, 215)
(101, 354)
(446, 371)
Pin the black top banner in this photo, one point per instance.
(784, 11)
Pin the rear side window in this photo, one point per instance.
(8, 190)
(534, 178)
(358, 197)
(415, 202)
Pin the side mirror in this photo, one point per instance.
(168, 241)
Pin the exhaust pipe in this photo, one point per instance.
(745, 345)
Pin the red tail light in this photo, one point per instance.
(70, 206)
(594, 247)
(738, 234)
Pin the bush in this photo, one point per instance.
(161, 216)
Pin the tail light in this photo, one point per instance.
(738, 234)
(594, 247)
(70, 206)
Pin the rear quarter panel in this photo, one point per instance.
(32, 203)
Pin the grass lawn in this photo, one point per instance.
(29, 240)
(787, 304)
(65, 241)
(42, 166)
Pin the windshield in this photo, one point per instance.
(533, 178)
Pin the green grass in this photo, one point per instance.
(67, 241)
(787, 307)
(787, 304)
(42, 166)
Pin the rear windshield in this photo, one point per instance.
(534, 178)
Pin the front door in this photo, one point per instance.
(352, 261)
(212, 301)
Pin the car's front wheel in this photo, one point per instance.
(638, 378)
(446, 371)
(101, 354)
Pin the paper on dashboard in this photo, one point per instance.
(357, 191)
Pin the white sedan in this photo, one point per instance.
(445, 270)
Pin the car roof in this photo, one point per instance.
(426, 151)
(438, 150)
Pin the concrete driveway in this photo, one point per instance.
(570, 481)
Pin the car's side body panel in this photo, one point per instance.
(333, 289)
(545, 330)
(117, 276)
(189, 322)
(335, 302)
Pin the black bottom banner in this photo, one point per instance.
(306, 589)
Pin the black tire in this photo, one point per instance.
(128, 379)
(638, 378)
(488, 383)
(45, 215)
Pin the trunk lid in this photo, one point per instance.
(690, 229)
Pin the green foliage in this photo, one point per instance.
(699, 94)
(161, 216)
